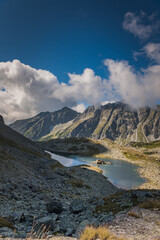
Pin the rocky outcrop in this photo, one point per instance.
(117, 121)
(1, 120)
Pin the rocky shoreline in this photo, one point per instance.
(108, 149)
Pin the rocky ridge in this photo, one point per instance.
(116, 121)
(40, 125)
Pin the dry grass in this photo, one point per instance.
(41, 233)
(101, 233)
(150, 204)
(5, 223)
(133, 214)
(92, 168)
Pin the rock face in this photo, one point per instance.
(117, 121)
(40, 125)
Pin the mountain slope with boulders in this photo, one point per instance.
(116, 121)
(36, 188)
(32, 185)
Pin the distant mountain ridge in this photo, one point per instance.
(40, 125)
(116, 121)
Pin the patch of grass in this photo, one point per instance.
(5, 223)
(150, 145)
(56, 165)
(133, 155)
(101, 232)
(78, 183)
(150, 204)
(111, 204)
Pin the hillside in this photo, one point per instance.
(40, 125)
(34, 186)
(117, 122)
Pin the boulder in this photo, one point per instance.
(54, 207)
(77, 206)
(99, 161)
(67, 225)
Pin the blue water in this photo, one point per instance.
(122, 174)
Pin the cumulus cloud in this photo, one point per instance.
(135, 88)
(141, 25)
(79, 108)
(26, 91)
(86, 87)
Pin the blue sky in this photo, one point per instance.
(69, 36)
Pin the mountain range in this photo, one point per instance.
(116, 121)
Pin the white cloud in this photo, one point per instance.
(86, 87)
(141, 25)
(152, 50)
(137, 89)
(106, 102)
(29, 91)
(79, 108)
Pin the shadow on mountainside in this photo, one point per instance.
(82, 146)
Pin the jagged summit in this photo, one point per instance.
(116, 121)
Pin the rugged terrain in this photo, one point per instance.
(34, 187)
(41, 125)
(115, 121)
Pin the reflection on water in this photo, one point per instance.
(121, 173)
(66, 161)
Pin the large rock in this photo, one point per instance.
(54, 207)
(67, 225)
(77, 206)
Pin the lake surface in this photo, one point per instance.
(122, 174)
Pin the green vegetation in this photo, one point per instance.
(111, 204)
(117, 202)
(78, 183)
(133, 155)
(150, 145)
(100, 127)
